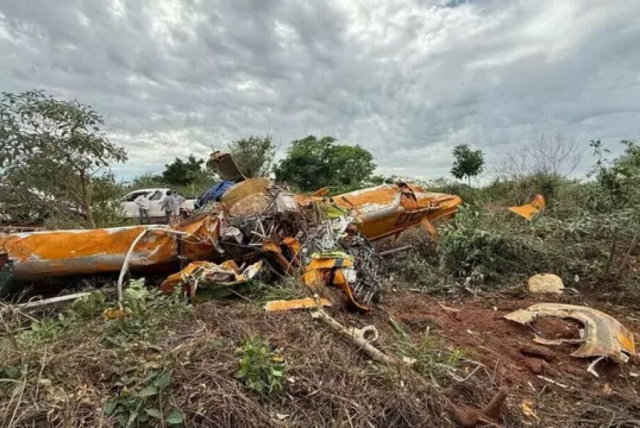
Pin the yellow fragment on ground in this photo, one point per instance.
(286, 305)
(532, 209)
(527, 408)
(604, 336)
(114, 313)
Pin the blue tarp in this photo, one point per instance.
(214, 193)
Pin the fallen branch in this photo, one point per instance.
(561, 385)
(358, 338)
(463, 380)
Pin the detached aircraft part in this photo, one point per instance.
(603, 335)
(39, 255)
(204, 279)
(390, 209)
(532, 209)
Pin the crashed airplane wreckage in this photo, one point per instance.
(325, 239)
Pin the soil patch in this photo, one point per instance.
(478, 328)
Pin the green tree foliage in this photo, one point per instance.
(468, 163)
(180, 173)
(312, 163)
(619, 179)
(617, 198)
(253, 155)
(55, 159)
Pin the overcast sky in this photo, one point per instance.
(408, 79)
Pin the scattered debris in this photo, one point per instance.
(206, 277)
(603, 335)
(114, 313)
(287, 305)
(327, 240)
(553, 382)
(546, 283)
(592, 367)
(448, 308)
(532, 209)
(395, 250)
(527, 409)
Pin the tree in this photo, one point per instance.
(468, 163)
(617, 196)
(556, 156)
(312, 163)
(54, 155)
(180, 173)
(253, 155)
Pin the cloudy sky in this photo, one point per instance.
(407, 79)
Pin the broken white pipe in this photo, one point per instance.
(58, 299)
(125, 264)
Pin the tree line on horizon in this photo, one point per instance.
(56, 159)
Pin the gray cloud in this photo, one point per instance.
(407, 79)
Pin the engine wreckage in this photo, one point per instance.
(256, 223)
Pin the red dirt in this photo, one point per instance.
(506, 348)
(556, 328)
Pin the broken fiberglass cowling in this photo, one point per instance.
(603, 335)
(532, 209)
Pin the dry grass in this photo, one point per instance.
(65, 380)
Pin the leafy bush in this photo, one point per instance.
(259, 368)
(50, 329)
(481, 254)
(144, 310)
(139, 403)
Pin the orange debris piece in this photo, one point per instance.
(287, 305)
(531, 209)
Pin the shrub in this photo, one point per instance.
(481, 254)
(144, 311)
(259, 368)
(138, 403)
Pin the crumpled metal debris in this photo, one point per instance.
(531, 209)
(327, 239)
(603, 335)
(210, 276)
(390, 209)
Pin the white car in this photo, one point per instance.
(156, 197)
